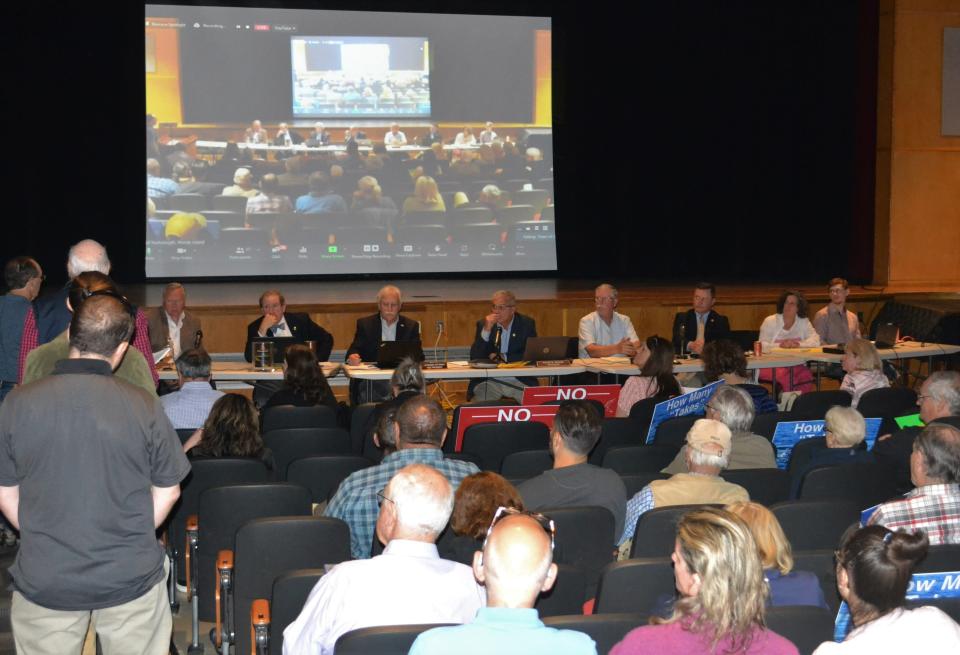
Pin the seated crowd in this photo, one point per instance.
(434, 539)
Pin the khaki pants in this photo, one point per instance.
(141, 626)
(503, 388)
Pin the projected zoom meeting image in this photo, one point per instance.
(295, 142)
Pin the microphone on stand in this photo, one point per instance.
(496, 355)
(198, 339)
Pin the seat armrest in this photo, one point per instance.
(259, 626)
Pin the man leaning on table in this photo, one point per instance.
(606, 332)
(502, 335)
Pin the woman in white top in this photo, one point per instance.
(465, 138)
(789, 328)
(863, 368)
(873, 570)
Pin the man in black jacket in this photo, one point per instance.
(276, 322)
(695, 327)
(502, 336)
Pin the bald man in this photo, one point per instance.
(407, 584)
(516, 565)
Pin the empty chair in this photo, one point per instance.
(635, 483)
(514, 214)
(265, 549)
(289, 444)
(888, 403)
(467, 215)
(815, 524)
(864, 483)
(765, 486)
(287, 596)
(814, 404)
(642, 412)
(615, 432)
(526, 464)
(584, 539)
(567, 594)
(188, 202)
(606, 630)
(656, 530)
(635, 585)
(323, 474)
(673, 432)
(806, 626)
(632, 460)
(279, 417)
(229, 203)
(392, 639)
(535, 197)
(766, 424)
(491, 442)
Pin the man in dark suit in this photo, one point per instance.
(502, 336)
(693, 328)
(276, 322)
(319, 136)
(286, 136)
(388, 324)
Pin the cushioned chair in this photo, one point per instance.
(537, 198)
(806, 626)
(864, 483)
(815, 524)
(606, 630)
(616, 432)
(744, 338)
(280, 417)
(635, 585)
(631, 460)
(821, 563)
(567, 594)
(289, 444)
(491, 442)
(358, 424)
(229, 203)
(580, 540)
(635, 483)
(324, 473)
(387, 639)
(526, 464)
(813, 405)
(469, 215)
(514, 214)
(656, 532)
(450, 443)
(287, 597)
(188, 202)
(888, 403)
(766, 424)
(673, 432)
(765, 486)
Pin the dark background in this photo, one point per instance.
(729, 140)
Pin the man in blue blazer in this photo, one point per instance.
(700, 324)
(502, 336)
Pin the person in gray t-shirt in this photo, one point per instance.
(573, 482)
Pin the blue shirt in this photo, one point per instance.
(13, 312)
(504, 630)
(356, 499)
(189, 407)
(794, 588)
(311, 204)
(160, 187)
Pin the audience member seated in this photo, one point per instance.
(157, 185)
(223, 170)
(293, 175)
(186, 226)
(787, 586)
(733, 407)
(939, 402)
(242, 185)
(934, 506)
(232, 429)
(723, 594)
(191, 178)
(435, 161)
(501, 336)
(606, 332)
(304, 384)
(395, 137)
(23, 277)
(408, 584)
(536, 166)
(474, 506)
(864, 370)
(573, 482)
(701, 324)
(421, 430)
(844, 432)
(707, 454)
(465, 138)
(655, 359)
(42, 360)
(269, 199)
(426, 197)
(369, 200)
(874, 566)
(406, 382)
(835, 323)
(189, 407)
(515, 566)
(724, 360)
(789, 328)
(321, 199)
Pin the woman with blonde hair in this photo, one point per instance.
(864, 370)
(426, 197)
(723, 595)
(787, 587)
(844, 432)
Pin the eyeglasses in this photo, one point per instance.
(545, 522)
(381, 497)
(600, 299)
(112, 294)
(712, 408)
(921, 398)
(500, 308)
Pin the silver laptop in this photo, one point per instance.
(541, 348)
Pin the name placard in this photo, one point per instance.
(689, 403)
(607, 394)
(506, 414)
(789, 433)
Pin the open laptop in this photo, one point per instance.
(390, 353)
(550, 348)
(887, 335)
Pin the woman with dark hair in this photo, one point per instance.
(874, 566)
(232, 429)
(789, 328)
(724, 360)
(304, 384)
(655, 359)
(406, 382)
(475, 502)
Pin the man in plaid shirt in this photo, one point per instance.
(421, 429)
(934, 506)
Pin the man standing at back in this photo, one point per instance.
(693, 328)
(89, 468)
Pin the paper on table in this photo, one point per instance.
(160, 354)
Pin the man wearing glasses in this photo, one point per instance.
(515, 566)
(606, 332)
(407, 584)
(835, 323)
(501, 336)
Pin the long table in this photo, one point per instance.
(301, 148)
(902, 351)
(244, 371)
(623, 366)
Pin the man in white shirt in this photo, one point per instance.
(171, 325)
(395, 137)
(488, 135)
(605, 332)
(407, 584)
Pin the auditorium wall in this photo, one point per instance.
(918, 169)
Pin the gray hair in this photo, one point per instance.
(512, 299)
(87, 255)
(423, 499)
(194, 363)
(242, 174)
(408, 376)
(735, 407)
(846, 425)
(700, 458)
(609, 287)
(939, 443)
(389, 289)
(944, 386)
(173, 286)
(534, 153)
(492, 190)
